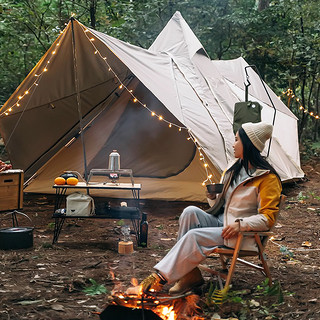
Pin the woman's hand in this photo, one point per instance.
(231, 230)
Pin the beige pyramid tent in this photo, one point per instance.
(167, 110)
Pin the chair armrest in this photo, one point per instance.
(259, 233)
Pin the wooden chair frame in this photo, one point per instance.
(235, 254)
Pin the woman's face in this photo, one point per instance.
(238, 147)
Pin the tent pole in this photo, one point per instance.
(76, 81)
(275, 110)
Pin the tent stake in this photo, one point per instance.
(76, 81)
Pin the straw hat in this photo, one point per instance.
(258, 133)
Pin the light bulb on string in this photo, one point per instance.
(290, 94)
(34, 84)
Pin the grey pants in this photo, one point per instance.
(199, 233)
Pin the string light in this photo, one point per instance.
(34, 85)
(289, 93)
(202, 159)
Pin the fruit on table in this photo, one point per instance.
(60, 180)
(72, 181)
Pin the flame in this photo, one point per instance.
(169, 313)
(166, 309)
(134, 282)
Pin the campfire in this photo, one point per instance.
(151, 305)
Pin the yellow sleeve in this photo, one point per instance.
(269, 193)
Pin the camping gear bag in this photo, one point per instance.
(244, 112)
(80, 204)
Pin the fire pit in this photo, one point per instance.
(153, 306)
(124, 313)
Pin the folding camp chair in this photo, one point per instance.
(235, 254)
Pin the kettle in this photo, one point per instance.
(114, 161)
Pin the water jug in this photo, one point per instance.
(114, 161)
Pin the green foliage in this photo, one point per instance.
(273, 290)
(120, 222)
(95, 288)
(47, 245)
(313, 194)
(286, 252)
(50, 225)
(301, 196)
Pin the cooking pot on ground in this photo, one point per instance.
(16, 238)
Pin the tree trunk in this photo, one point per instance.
(61, 25)
(304, 119)
(263, 4)
(93, 8)
(316, 127)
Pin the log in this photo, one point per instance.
(125, 247)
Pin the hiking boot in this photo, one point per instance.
(152, 283)
(191, 280)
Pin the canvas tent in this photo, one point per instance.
(144, 103)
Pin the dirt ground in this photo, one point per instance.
(47, 282)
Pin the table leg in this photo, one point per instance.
(57, 228)
(60, 193)
(136, 224)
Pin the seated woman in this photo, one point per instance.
(249, 201)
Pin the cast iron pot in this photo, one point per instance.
(16, 238)
(68, 174)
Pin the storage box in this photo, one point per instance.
(11, 190)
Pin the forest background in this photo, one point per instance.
(280, 37)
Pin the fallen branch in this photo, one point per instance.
(92, 266)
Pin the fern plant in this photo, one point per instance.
(95, 288)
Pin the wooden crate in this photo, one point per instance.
(11, 190)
